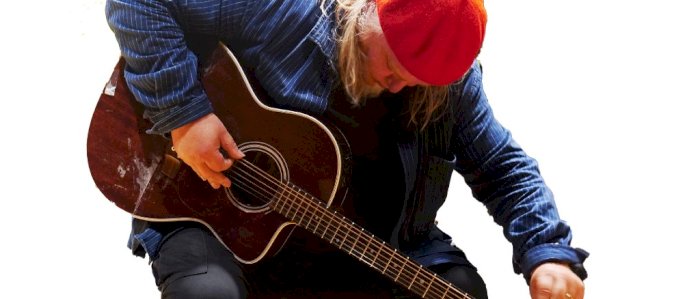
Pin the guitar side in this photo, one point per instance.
(140, 174)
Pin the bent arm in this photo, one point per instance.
(509, 184)
(161, 70)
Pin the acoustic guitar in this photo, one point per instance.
(293, 175)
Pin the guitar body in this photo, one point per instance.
(141, 174)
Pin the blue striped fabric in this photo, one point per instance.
(508, 182)
(289, 45)
(149, 240)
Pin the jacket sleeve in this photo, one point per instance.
(509, 184)
(161, 70)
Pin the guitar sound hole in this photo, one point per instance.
(255, 181)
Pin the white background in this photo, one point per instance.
(602, 93)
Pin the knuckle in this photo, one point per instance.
(541, 284)
(216, 165)
(227, 140)
(201, 152)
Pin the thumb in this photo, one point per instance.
(230, 147)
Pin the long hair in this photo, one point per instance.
(355, 18)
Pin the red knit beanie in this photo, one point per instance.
(435, 40)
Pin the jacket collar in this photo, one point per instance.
(324, 31)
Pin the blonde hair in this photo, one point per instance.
(358, 17)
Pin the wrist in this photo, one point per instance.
(555, 253)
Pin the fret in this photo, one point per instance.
(275, 203)
(429, 285)
(335, 233)
(281, 196)
(294, 203)
(401, 270)
(391, 258)
(318, 219)
(376, 254)
(420, 267)
(284, 205)
(326, 229)
(347, 231)
(306, 209)
(362, 255)
(280, 207)
(447, 290)
(352, 226)
(357, 237)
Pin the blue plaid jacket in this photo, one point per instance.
(289, 45)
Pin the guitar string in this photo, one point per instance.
(306, 221)
(414, 265)
(450, 287)
(407, 283)
(350, 250)
(425, 276)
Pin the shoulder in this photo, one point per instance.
(280, 22)
(471, 80)
(285, 14)
(468, 88)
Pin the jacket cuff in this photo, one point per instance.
(544, 253)
(167, 120)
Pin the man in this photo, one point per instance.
(399, 78)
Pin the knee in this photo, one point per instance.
(466, 278)
(216, 283)
(472, 282)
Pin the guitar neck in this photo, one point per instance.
(308, 212)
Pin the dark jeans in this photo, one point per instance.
(192, 263)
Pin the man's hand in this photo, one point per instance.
(197, 143)
(555, 281)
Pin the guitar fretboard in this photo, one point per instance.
(308, 212)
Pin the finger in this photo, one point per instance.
(576, 289)
(216, 179)
(214, 185)
(230, 147)
(198, 170)
(559, 290)
(540, 287)
(216, 162)
(219, 179)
